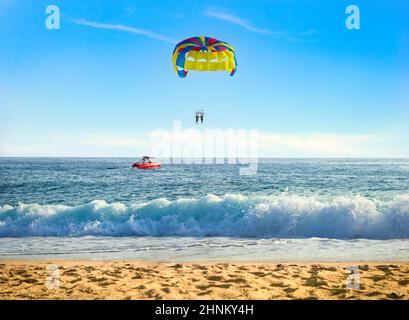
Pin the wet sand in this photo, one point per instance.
(74, 279)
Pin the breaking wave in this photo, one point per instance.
(231, 215)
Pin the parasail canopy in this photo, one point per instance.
(203, 54)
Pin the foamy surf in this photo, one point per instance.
(231, 215)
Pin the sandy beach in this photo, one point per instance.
(62, 279)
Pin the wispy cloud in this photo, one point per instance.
(123, 28)
(308, 33)
(302, 36)
(109, 140)
(288, 36)
(269, 144)
(236, 20)
(276, 144)
(299, 40)
(322, 144)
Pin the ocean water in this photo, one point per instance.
(292, 209)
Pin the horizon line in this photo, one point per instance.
(125, 157)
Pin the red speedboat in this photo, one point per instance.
(146, 163)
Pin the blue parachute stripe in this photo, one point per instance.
(180, 61)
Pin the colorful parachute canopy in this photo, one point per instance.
(203, 54)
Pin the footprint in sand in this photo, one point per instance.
(393, 266)
(74, 280)
(93, 278)
(152, 293)
(385, 269)
(199, 267)
(30, 281)
(338, 291)
(290, 290)
(87, 290)
(332, 269)
(203, 287)
(112, 274)
(260, 274)
(22, 273)
(315, 281)
(373, 294)
(203, 293)
(377, 278)
(89, 269)
(71, 274)
(214, 278)
(166, 290)
(141, 287)
(364, 267)
(278, 284)
(236, 280)
(404, 282)
(395, 296)
(105, 284)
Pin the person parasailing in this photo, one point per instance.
(199, 115)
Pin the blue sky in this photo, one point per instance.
(101, 83)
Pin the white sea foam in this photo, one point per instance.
(231, 215)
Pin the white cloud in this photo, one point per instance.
(120, 27)
(322, 144)
(300, 37)
(308, 33)
(236, 20)
(87, 145)
(116, 141)
(270, 144)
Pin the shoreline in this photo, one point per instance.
(143, 279)
(255, 262)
